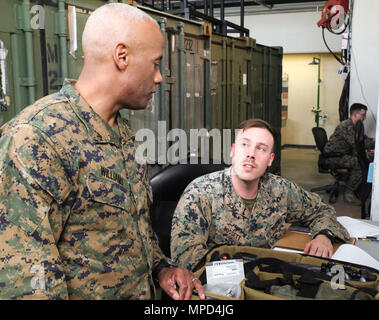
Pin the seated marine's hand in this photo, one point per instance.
(185, 281)
(320, 246)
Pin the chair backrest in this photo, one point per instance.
(359, 137)
(365, 187)
(168, 186)
(321, 138)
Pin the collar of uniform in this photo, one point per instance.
(350, 122)
(126, 131)
(232, 199)
(99, 129)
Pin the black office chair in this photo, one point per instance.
(340, 174)
(168, 186)
(365, 187)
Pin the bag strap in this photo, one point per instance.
(278, 266)
(253, 280)
(308, 284)
(371, 291)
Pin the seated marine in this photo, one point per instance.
(247, 206)
(342, 141)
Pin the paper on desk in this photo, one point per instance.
(358, 228)
(353, 254)
(287, 250)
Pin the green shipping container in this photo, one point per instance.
(245, 82)
(266, 89)
(209, 80)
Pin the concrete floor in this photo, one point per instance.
(300, 166)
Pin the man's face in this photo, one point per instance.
(143, 73)
(361, 114)
(252, 153)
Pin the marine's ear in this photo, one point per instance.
(232, 151)
(272, 157)
(121, 56)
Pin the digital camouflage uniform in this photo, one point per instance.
(342, 141)
(73, 205)
(211, 213)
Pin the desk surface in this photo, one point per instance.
(371, 247)
(298, 241)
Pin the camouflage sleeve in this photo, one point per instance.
(369, 143)
(308, 209)
(33, 185)
(157, 251)
(189, 231)
(341, 140)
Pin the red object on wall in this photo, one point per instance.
(327, 14)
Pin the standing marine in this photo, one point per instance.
(74, 200)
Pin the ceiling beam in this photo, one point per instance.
(199, 4)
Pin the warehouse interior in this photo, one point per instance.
(316, 62)
(313, 90)
(289, 25)
(123, 173)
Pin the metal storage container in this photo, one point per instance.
(38, 44)
(266, 89)
(182, 98)
(245, 79)
(209, 80)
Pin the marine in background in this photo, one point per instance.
(342, 142)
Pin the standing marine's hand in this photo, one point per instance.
(185, 281)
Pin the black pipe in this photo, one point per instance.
(242, 22)
(206, 7)
(222, 12)
(42, 33)
(227, 4)
(211, 9)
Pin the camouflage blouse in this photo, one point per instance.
(73, 205)
(211, 213)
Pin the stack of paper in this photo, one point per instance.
(353, 254)
(357, 228)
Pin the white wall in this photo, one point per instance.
(301, 39)
(295, 32)
(364, 76)
(298, 33)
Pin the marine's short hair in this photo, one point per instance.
(257, 123)
(357, 107)
(108, 24)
